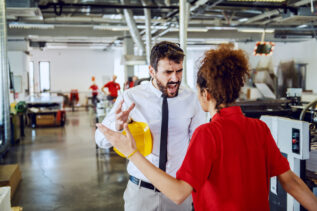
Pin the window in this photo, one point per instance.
(45, 78)
(31, 77)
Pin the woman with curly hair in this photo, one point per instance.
(230, 160)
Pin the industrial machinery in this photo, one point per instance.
(292, 122)
(293, 139)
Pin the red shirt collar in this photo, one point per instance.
(226, 112)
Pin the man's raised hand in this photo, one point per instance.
(122, 117)
(124, 143)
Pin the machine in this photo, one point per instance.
(292, 122)
(293, 139)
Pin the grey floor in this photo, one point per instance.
(62, 170)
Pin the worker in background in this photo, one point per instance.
(130, 82)
(172, 113)
(94, 92)
(230, 160)
(113, 89)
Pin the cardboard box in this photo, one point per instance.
(10, 175)
(16, 208)
(45, 120)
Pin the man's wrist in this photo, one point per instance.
(135, 156)
(132, 153)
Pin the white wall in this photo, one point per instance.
(73, 69)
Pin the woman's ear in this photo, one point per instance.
(206, 95)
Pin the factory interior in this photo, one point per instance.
(58, 55)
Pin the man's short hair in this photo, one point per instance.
(168, 50)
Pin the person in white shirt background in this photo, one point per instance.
(145, 103)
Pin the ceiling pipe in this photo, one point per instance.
(135, 34)
(260, 17)
(257, 5)
(61, 4)
(198, 4)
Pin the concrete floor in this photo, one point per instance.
(62, 169)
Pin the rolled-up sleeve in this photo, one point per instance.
(109, 121)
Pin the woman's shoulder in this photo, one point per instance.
(204, 129)
(257, 123)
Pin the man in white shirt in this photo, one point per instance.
(172, 113)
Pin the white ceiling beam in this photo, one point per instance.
(198, 4)
(303, 2)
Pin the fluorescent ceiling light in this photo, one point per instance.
(16, 25)
(113, 17)
(113, 28)
(74, 46)
(123, 28)
(86, 10)
(140, 17)
(216, 42)
(301, 26)
(255, 30)
(191, 29)
(243, 19)
(221, 28)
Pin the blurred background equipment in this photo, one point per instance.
(46, 111)
(73, 98)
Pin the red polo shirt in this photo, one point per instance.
(113, 88)
(229, 163)
(94, 89)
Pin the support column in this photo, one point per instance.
(128, 49)
(4, 81)
(148, 34)
(183, 24)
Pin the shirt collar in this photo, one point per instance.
(156, 91)
(226, 112)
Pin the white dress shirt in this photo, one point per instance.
(184, 116)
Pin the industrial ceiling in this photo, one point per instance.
(105, 22)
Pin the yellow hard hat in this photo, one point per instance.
(142, 136)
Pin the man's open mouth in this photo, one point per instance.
(172, 88)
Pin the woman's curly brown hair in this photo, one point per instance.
(222, 73)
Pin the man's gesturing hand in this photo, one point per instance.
(125, 144)
(122, 116)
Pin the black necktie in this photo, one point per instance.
(164, 128)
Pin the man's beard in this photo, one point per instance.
(163, 88)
